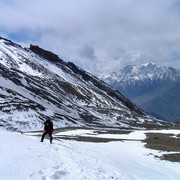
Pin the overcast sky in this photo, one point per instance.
(97, 35)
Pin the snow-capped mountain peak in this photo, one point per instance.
(151, 87)
(141, 72)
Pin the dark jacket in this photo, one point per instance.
(48, 126)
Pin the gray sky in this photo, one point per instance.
(97, 35)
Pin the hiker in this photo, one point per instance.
(48, 129)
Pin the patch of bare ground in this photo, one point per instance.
(93, 139)
(98, 131)
(89, 139)
(113, 131)
(171, 157)
(164, 142)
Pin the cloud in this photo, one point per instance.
(97, 34)
(88, 52)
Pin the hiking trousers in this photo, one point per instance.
(50, 135)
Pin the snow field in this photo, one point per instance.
(25, 157)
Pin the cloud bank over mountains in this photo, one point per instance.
(101, 34)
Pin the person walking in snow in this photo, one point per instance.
(48, 129)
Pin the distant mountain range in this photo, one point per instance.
(36, 84)
(155, 89)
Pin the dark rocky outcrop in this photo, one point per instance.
(44, 53)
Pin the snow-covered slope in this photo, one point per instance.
(36, 84)
(25, 158)
(154, 89)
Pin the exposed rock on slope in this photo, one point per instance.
(36, 84)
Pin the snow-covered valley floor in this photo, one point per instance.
(24, 157)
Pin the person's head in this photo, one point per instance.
(48, 120)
